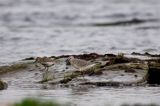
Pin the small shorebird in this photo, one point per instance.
(45, 61)
(80, 64)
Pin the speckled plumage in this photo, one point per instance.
(80, 64)
(77, 63)
(45, 61)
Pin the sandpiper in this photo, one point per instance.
(80, 64)
(45, 61)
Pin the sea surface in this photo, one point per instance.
(30, 28)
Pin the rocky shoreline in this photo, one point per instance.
(112, 70)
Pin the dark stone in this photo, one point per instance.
(146, 54)
(29, 58)
(67, 68)
(154, 75)
(67, 62)
(130, 70)
(136, 76)
(122, 75)
(3, 85)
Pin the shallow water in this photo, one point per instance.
(56, 27)
(91, 97)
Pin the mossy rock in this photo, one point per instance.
(14, 67)
(127, 74)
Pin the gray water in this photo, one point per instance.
(89, 97)
(56, 27)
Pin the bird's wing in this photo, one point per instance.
(81, 63)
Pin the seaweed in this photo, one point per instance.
(14, 67)
(104, 65)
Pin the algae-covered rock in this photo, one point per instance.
(110, 70)
(120, 71)
(3, 85)
(128, 74)
(13, 67)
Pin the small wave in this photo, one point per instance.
(133, 21)
(148, 27)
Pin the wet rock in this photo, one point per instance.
(110, 55)
(14, 67)
(146, 54)
(154, 73)
(136, 76)
(67, 63)
(110, 75)
(89, 56)
(3, 85)
(29, 58)
(130, 70)
(110, 70)
(83, 56)
(66, 67)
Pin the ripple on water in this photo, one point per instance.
(58, 27)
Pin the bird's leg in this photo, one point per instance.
(64, 76)
(36, 65)
(44, 68)
(47, 68)
(82, 74)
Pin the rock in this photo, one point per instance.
(14, 67)
(3, 85)
(154, 73)
(110, 70)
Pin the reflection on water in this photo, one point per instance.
(55, 27)
(92, 97)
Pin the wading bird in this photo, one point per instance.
(45, 61)
(80, 64)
